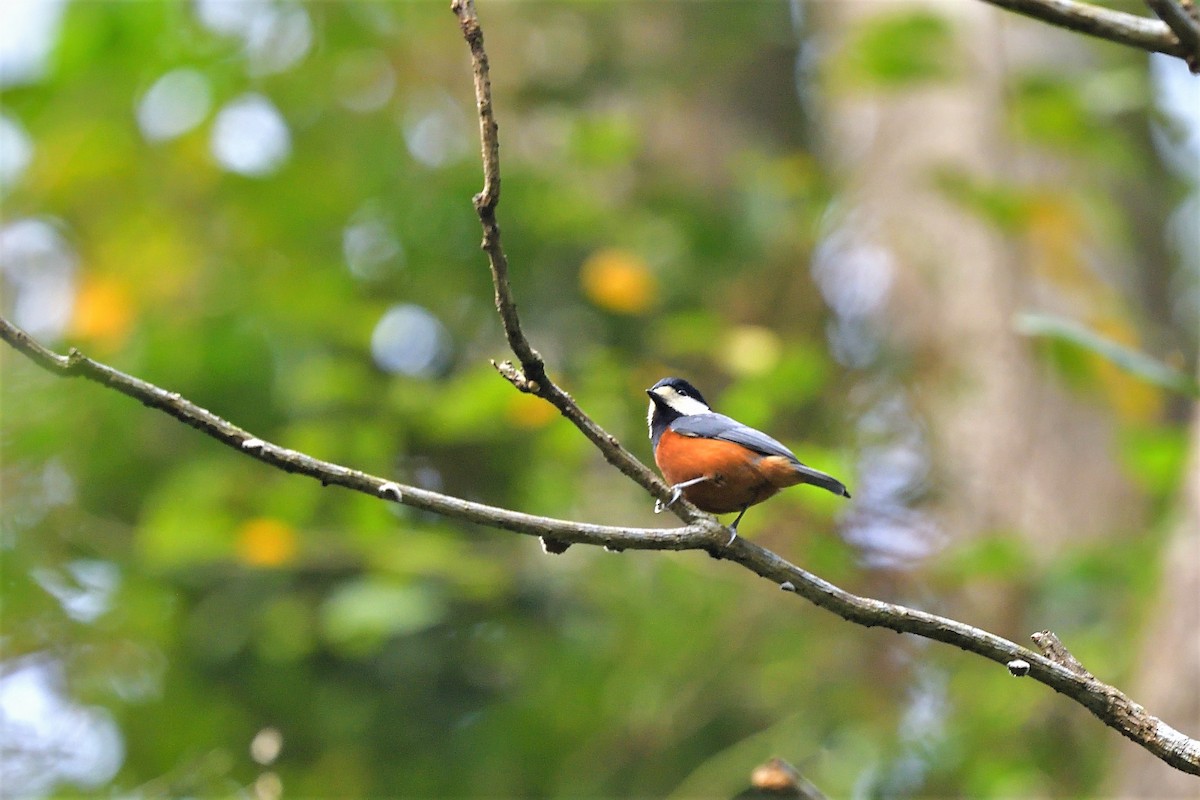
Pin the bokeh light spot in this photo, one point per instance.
(266, 542)
(411, 341)
(435, 130)
(84, 588)
(268, 786)
(369, 246)
(365, 81)
(38, 263)
(278, 38)
(266, 746)
(750, 350)
(28, 31)
(529, 412)
(359, 615)
(175, 104)
(854, 275)
(103, 312)
(16, 151)
(227, 17)
(275, 36)
(47, 738)
(619, 281)
(250, 136)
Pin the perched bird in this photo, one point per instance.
(716, 462)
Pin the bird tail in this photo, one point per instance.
(818, 478)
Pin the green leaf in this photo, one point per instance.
(1155, 457)
(895, 50)
(360, 615)
(188, 519)
(605, 140)
(1003, 205)
(1000, 556)
(1132, 361)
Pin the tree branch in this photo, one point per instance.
(531, 376)
(1061, 672)
(1185, 25)
(1115, 26)
(1111, 706)
(75, 364)
(1106, 702)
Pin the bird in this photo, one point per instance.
(716, 462)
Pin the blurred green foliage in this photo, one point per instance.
(400, 654)
(1072, 334)
(902, 48)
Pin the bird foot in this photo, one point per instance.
(676, 493)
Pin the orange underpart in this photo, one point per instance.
(737, 477)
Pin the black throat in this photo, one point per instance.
(660, 419)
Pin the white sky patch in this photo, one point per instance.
(366, 81)
(40, 265)
(369, 245)
(16, 151)
(410, 340)
(275, 36)
(855, 276)
(1178, 136)
(28, 32)
(175, 104)
(47, 738)
(435, 130)
(84, 588)
(250, 136)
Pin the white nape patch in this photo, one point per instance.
(681, 403)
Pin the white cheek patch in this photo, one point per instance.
(682, 404)
(687, 405)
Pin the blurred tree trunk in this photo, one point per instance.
(1169, 660)
(1015, 452)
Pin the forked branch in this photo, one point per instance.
(1106, 702)
(1057, 671)
(531, 375)
(1172, 37)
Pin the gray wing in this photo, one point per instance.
(719, 426)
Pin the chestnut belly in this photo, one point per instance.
(737, 477)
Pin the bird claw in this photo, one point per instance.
(732, 536)
(660, 506)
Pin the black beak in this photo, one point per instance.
(659, 403)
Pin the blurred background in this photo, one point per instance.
(906, 238)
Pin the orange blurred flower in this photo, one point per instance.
(103, 312)
(266, 542)
(618, 281)
(527, 411)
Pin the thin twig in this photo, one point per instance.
(75, 364)
(1115, 26)
(1110, 705)
(1107, 703)
(1185, 25)
(531, 375)
(1053, 648)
